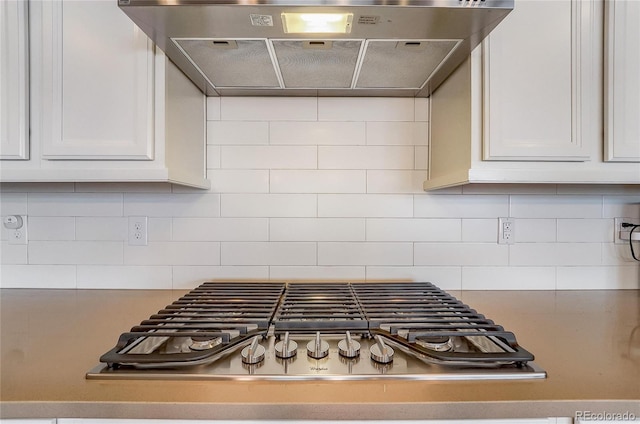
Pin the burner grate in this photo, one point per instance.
(410, 312)
(228, 312)
(319, 307)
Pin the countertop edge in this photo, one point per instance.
(316, 411)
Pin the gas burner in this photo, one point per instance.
(200, 343)
(436, 343)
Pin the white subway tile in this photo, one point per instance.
(365, 205)
(317, 229)
(214, 157)
(445, 277)
(102, 228)
(527, 206)
(392, 229)
(15, 254)
(318, 133)
(239, 181)
(421, 105)
(220, 229)
(365, 253)
(268, 253)
(124, 277)
(13, 203)
(549, 254)
(213, 108)
(128, 187)
(189, 277)
(461, 206)
(619, 254)
(75, 252)
(460, 254)
(365, 109)
(38, 276)
(51, 228)
(173, 253)
(398, 133)
(535, 230)
(237, 133)
(159, 229)
(508, 278)
(598, 278)
(621, 207)
(480, 230)
(318, 181)
(36, 188)
(75, 204)
(421, 158)
(172, 205)
(269, 205)
(317, 273)
(269, 108)
(585, 230)
(365, 157)
(269, 157)
(395, 181)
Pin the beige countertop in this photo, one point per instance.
(587, 341)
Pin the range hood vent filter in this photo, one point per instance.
(402, 64)
(232, 63)
(317, 64)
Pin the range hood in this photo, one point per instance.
(401, 48)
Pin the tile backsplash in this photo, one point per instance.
(319, 189)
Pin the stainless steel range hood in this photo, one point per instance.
(383, 48)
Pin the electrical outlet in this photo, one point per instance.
(137, 231)
(16, 226)
(621, 235)
(506, 230)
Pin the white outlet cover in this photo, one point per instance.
(137, 231)
(15, 227)
(618, 229)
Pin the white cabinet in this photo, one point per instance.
(106, 106)
(622, 80)
(94, 68)
(14, 80)
(527, 106)
(539, 86)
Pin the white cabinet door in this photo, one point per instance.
(95, 78)
(14, 80)
(539, 91)
(622, 80)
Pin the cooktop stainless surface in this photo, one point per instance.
(311, 331)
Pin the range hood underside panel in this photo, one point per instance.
(391, 50)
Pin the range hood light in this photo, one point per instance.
(325, 23)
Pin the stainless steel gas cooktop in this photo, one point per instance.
(317, 331)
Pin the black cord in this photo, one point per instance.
(626, 225)
(631, 242)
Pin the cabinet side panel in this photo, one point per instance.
(185, 126)
(450, 130)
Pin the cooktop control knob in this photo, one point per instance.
(286, 348)
(254, 353)
(317, 348)
(380, 352)
(348, 347)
